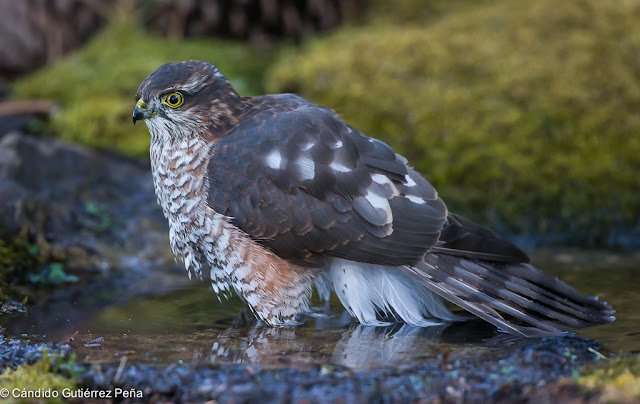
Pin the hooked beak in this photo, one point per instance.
(140, 112)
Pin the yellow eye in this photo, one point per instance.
(174, 99)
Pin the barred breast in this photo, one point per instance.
(276, 290)
(178, 177)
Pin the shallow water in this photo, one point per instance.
(187, 323)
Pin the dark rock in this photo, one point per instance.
(70, 198)
(18, 123)
(95, 213)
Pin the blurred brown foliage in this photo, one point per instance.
(257, 20)
(35, 32)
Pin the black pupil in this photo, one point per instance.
(173, 99)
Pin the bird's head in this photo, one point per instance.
(184, 99)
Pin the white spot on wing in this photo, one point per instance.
(307, 146)
(382, 180)
(415, 199)
(379, 202)
(336, 145)
(274, 159)
(339, 167)
(410, 182)
(306, 167)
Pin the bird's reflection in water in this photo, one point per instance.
(363, 346)
(355, 346)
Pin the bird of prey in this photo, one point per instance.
(271, 196)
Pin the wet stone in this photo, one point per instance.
(529, 367)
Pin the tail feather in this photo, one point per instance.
(518, 298)
(551, 305)
(566, 298)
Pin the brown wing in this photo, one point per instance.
(463, 238)
(306, 185)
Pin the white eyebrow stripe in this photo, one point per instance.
(192, 86)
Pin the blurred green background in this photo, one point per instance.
(524, 115)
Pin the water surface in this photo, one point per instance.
(186, 322)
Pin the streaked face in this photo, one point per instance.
(179, 99)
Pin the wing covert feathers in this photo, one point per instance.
(307, 186)
(517, 298)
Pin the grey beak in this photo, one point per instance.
(138, 115)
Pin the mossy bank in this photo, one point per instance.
(523, 115)
(95, 87)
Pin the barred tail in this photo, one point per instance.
(517, 298)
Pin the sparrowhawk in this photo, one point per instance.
(273, 196)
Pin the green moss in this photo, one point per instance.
(96, 86)
(50, 373)
(415, 11)
(618, 379)
(16, 258)
(518, 112)
(54, 274)
(17, 255)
